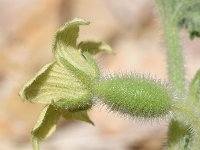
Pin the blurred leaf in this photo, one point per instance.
(190, 17)
(181, 145)
(182, 13)
(177, 132)
(45, 125)
(94, 47)
(80, 115)
(194, 89)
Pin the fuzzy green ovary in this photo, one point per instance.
(134, 96)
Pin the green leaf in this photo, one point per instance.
(194, 89)
(94, 47)
(190, 17)
(134, 95)
(57, 83)
(80, 115)
(182, 13)
(45, 125)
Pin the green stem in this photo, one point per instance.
(35, 143)
(175, 59)
(174, 49)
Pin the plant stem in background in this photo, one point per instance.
(174, 50)
(175, 58)
(178, 14)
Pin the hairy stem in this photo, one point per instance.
(174, 49)
(175, 58)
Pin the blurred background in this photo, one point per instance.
(133, 30)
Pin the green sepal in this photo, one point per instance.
(45, 125)
(80, 115)
(194, 89)
(78, 104)
(94, 47)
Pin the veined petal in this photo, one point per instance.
(68, 33)
(53, 83)
(65, 46)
